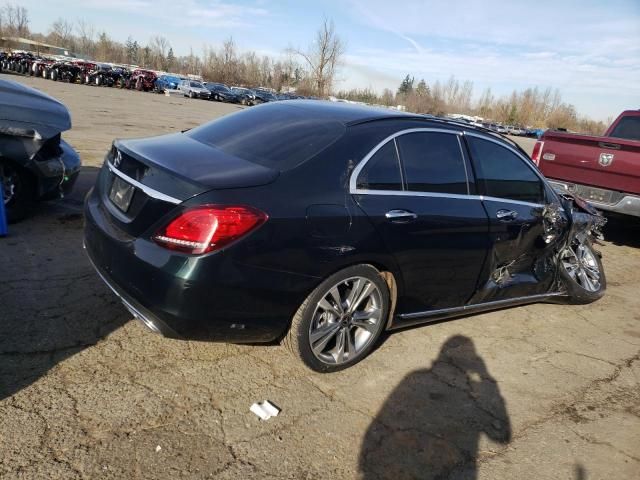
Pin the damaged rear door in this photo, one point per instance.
(521, 261)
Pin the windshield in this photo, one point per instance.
(196, 85)
(278, 138)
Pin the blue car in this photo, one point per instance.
(167, 82)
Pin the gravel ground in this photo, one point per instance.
(542, 391)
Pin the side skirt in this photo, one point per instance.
(418, 318)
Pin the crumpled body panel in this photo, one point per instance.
(535, 271)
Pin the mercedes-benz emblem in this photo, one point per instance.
(118, 160)
(605, 159)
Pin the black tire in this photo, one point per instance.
(298, 339)
(98, 81)
(577, 293)
(54, 75)
(22, 190)
(191, 95)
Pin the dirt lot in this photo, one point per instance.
(543, 391)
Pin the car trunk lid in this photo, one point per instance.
(144, 179)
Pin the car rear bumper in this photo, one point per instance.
(603, 199)
(210, 297)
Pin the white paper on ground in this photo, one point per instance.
(265, 410)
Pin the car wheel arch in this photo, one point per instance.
(387, 274)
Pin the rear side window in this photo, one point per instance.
(503, 174)
(278, 137)
(433, 162)
(382, 171)
(627, 127)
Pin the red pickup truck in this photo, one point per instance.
(603, 170)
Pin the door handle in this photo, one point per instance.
(506, 215)
(400, 216)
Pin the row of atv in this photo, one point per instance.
(77, 71)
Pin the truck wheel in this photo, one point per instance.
(87, 80)
(18, 191)
(582, 273)
(54, 75)
(98, 80)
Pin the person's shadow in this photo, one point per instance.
(431, 424)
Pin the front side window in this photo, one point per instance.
(382, 171)
(503, 174)
(433, 162)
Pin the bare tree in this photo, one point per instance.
(323, 57)
(159, 47)
(85, 33)
(16, 20)
(61, 33)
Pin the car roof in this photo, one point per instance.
(346, 113)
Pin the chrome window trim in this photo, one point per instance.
(149, 191)
(353, 181)
(464, 163)
(407, 193)
(400, 166)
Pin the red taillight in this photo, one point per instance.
(210, 227)
(537, 152)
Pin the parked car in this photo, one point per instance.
(263, 96)
(293, 221)
(221, 93)
(101, 75)
(64, 72)
(142, 80)
(245, 95)
(35, 163)
(604, 170)
(194, 89)
(119, 77)
(167, 82)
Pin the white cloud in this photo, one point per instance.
(590, 51)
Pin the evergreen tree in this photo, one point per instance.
(406, 87)
(171, 59)
(423, 89)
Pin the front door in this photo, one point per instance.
(521, 260)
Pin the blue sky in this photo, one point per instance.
(588, 49)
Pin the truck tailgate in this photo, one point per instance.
(605, 162)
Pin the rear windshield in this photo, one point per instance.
(279, 138)
(627, 127)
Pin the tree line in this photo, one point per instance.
(310, 71)
(534, 107)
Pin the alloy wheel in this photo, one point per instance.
(580, 263)
(346, 320)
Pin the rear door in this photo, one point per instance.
(520, 262)
(416, 189)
